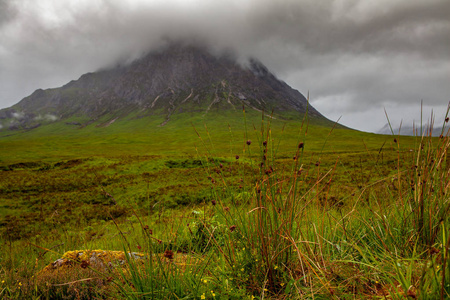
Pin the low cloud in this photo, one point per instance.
(46, 117)
(18, 115)
(355, 57)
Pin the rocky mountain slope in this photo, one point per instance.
(173, 80)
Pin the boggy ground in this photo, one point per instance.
(276, 213)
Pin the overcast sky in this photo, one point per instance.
(355, 57)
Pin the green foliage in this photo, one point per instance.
(255, 209)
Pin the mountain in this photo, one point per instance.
(415, 130)
(175, 79)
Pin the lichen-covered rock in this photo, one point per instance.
(97, 273)
(98, 259)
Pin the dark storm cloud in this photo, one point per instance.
(355, 57)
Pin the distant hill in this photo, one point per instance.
(173, 80)
(415, 130)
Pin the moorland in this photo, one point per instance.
(225, 207)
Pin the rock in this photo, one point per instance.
(101, 260)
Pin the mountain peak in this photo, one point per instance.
(177, 78)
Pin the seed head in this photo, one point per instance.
(300, 146)
(237, 156)
(446, 120)
(265, 143)
(168, 254)
(232, 228)
(249, 142)
(213, 202)
(395, 140)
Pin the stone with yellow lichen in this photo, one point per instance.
(97, 259)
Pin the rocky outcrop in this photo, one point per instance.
(178, 78)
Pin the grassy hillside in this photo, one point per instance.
(256, 207)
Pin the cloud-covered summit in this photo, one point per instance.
(355, 57)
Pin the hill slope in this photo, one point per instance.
(176, 79)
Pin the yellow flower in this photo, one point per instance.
(276, 267)
(212, 293)
(203, 296)
(242, 270)
(205, 281)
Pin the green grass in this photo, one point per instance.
(346, 215)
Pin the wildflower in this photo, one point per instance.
(212, 293)
(213, 202)
(276, 267)
(249, 142)
(203, 296)
(205, 281)
(232, 228)
(300, 146)
(265, 143)
(168, 254)
(237, 156)
(226, 208)
(395, 140)
(139, 247)
(242, 270)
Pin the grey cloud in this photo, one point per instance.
(354, 56)
(7, 12)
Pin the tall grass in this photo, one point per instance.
(281, 224)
